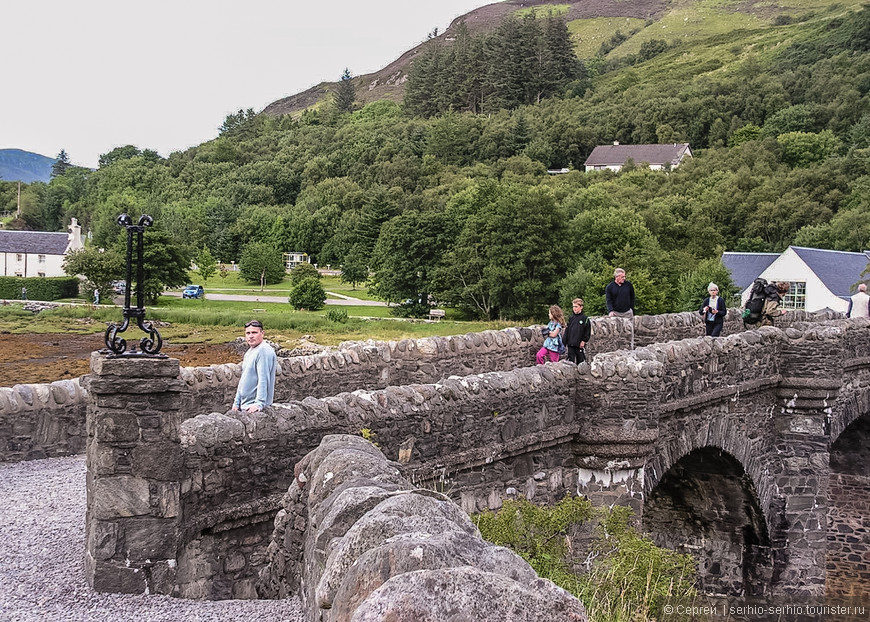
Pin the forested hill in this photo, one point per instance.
(608, 29)
(447, 194)
(593, 20)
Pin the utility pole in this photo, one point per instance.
(18, 211)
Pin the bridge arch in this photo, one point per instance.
(719, 431)
(853, 405)
(706, 504)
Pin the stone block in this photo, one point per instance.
(102, 542)
(167, 496)
(114, 577)
(132, 366)
(163, 577)
(157, 460)
(120, 496)
(800, 503)
(116, 426)
(234, 562)
(150, 539)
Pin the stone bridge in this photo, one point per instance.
(748, 451)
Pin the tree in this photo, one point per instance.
(207, 264)
(164, 259)
(99, 266)
(408, 250)
(507, 258)
(119, 153)
(802, 148)
(307, 294)
(692, 288)
(261, 263)
(60, 165)
(345, 94)
(354, 268)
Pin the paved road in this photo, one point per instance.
(265, 298)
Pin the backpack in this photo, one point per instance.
(757, 296)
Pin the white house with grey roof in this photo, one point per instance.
(820, 278)
(656, 157)
(37, 253)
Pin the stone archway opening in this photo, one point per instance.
(848, 529)
(707, 506)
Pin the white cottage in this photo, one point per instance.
(657, 157)
(37, 253)
(820, 278)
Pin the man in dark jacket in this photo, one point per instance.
(619, 296)
(577, 333)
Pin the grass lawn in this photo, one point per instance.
(232, 283)
(205, 321)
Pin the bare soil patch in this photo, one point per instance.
(38, 358)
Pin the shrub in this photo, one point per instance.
(625, 576)
(307, 294)
(630, 578)
(337, 315)
(39, 288)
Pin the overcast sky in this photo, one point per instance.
(91, 75)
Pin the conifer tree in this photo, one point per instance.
(345, 94)
(60, 165)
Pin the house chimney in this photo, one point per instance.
(75, 236)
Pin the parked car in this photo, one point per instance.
(193, 291)
(119, 287)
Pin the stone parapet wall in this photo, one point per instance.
(448, 434)
(47, 420)
(358, 541)
(42, 420)
(609, 429)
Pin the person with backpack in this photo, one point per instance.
(553, 345)
(713, 311)
(577, 333)
(773, 295)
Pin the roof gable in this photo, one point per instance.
(838, 270)
(33, 242)
(617, 155)
(745, 267)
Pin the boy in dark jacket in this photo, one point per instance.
(577, 333)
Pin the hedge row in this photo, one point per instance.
(39, 288)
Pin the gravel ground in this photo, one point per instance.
(42, 526)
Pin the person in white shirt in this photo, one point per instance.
(859, 304)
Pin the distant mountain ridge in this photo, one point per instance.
(24, 166)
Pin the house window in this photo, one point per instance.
(19, 257)
(41, 258)
(796, 298)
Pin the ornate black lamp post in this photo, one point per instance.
(152, 343)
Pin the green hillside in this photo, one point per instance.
(447, 194)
